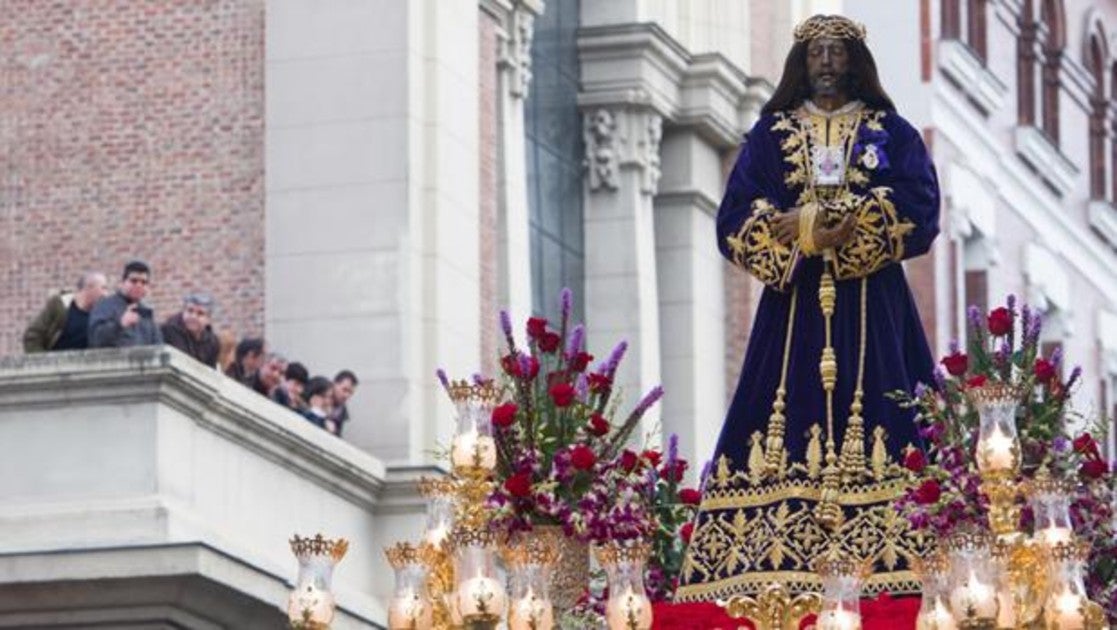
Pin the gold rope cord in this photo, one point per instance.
(853, 445)
(775, 454)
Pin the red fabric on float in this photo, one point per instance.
(883, 613)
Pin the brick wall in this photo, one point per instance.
(490, 152)
(132, 128)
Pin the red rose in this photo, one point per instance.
(599, 426)
(518, 485)
(1000, 321)
(582, 457)
(511, 364)
(562, 394)
(505, 415)
(676, 472)
(532, 368)
(915, 461)
(549, 342)
(956, 364)
(599, 382)
(977, 381)
(629, 460)
(536, 326)
(690, 496)
(1093, 469)
(928, 492)
(686, 531)
(1085, 445)
(1044, 370)
(580, 361)
(652, 456)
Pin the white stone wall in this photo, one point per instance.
(372, 205)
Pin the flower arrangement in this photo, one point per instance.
(946, 495)
(562, 455)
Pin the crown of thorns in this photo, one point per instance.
(832, 26)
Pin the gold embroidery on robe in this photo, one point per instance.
(878, 238)
(756, 249)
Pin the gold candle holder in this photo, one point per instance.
(479, 595)
(773, 608)
(442, 494)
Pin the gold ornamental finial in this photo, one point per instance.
(833, 26)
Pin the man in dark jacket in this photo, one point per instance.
(121, 319)
(190, 330)
(63, 324)
(249, 358)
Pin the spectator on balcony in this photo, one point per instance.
(190, 331)
(267, 378)
(345, 384)
(227, 344)
(290, 391)
(248, 359)
(122, 319)
(319, 396)
(63, 324)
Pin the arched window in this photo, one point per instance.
(965, 20)
(1095, 63)
(1026, 65)
(1052, 21)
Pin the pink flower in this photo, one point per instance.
(518, 485)
(536, 327)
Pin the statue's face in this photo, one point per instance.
(827, 66)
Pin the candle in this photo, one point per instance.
(481, 596)
(470, 450)
(1054, 535)
(629, 611)
(974, 599)
(1067, 614)
(310, 602)
(1006, 610)
(531, 613)
(436, 535)
(838, 620)
(409, 612)
(998, 451)
(938, 618)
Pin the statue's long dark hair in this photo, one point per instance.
(862, 83)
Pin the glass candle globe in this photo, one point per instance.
(934, 611)
(1067, 603)
(480, 595)
(628, 606)
(530, 561)
(410, 607)
(841, 593)
(1050, 500)
(311, 603)
(473, 449)
(998, 444)
(973, 593)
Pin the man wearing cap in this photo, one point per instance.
(189, 330)
(122, 319)
(831, 191)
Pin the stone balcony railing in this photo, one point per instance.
(140, 487)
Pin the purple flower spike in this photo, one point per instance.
(973, 314)
(940, 379)
(672, 449)
(615, 358)
(582, 387)
(566, 300)
(506, 323)
(954, 347)
(648, 400)
(479, 379)
(1011, 301)
(1057, 356)
(920, 389)
(443, 379)
(577, 336)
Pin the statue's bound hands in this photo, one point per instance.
(786, 229)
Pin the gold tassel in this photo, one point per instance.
(853, 444)
(756, 459)
(814, 452)
(880, 453)
(777, 426)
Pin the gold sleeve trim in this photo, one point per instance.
(754, 247)
(878, 238)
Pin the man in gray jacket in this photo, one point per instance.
(121, 319)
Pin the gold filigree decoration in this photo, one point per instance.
(319, 546)
(403, 554)
(754, 247)
(464, 391)
(774, 608)
(878, 237)
(750, 534)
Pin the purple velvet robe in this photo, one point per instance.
(752, 530)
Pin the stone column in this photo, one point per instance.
(691, 293)
(514, 275)
(623, 169)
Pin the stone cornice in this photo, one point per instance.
(1045, 158)
(640, 65)
(215, 402)
(959, 63)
